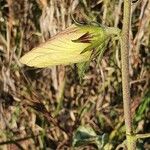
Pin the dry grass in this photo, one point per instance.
(41, 109)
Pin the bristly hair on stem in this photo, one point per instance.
(131, 144)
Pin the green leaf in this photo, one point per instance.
(144, 107)
(85, 135)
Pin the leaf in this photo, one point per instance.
(64, 48)
(143, 108)
(85, 135)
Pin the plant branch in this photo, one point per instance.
(125, 73)
(143, 136)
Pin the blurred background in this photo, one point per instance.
(43, 108)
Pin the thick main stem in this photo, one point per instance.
(125, 73)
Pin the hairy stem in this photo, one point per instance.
(125, 73)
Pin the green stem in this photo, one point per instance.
(125, 74)
(143, 136)
(113, 31)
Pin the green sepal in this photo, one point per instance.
(82, 68)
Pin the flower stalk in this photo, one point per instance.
(125, 41)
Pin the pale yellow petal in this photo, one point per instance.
(60, 49)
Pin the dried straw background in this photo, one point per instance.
(41, 109)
